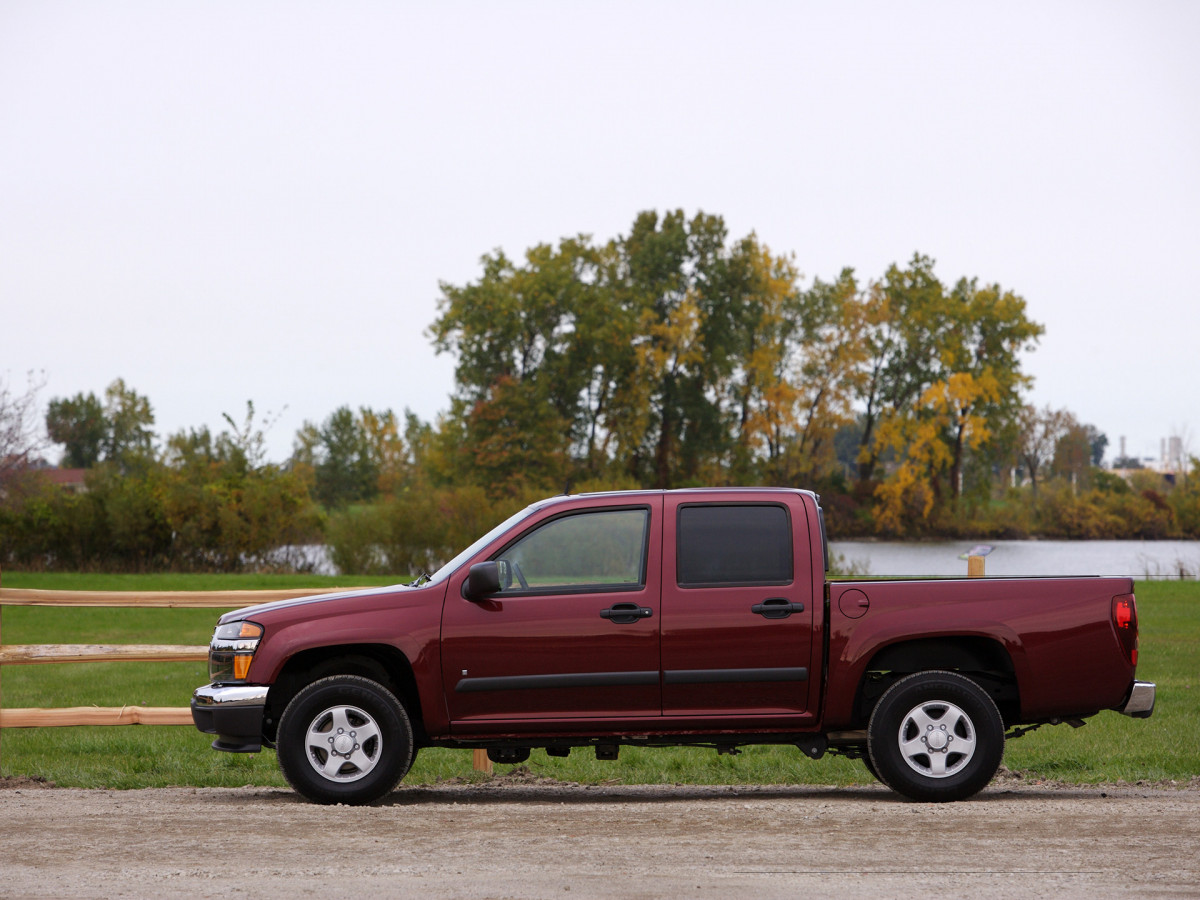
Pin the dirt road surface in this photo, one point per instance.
(535, 840)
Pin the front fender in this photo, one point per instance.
(408, 622)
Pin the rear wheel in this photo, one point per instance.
(935, 737)
(344, 739)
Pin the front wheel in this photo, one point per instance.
(344, 739)
(936, 737)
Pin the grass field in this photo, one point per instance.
(1109, 748)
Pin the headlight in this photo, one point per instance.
(231, 651)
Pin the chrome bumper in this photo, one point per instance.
(1140, 704)
(234, 713)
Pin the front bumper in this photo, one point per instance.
(1140, 704)
(234, 713)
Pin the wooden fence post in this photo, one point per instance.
(482, 763)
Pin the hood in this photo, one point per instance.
(248, 612)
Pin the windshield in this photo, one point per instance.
(449, 567)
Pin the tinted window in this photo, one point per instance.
(734, 545)
(595, 550)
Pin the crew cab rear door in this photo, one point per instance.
(572, 634)
(737, 607)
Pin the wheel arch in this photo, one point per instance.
(381, 663)
(984, 660)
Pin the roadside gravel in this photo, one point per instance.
(525, 838)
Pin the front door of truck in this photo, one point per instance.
(573, 632)
(738, 610)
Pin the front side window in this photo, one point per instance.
(602, 550)
(733, 544)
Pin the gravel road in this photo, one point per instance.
(515, 838)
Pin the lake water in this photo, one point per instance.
(1139, 559)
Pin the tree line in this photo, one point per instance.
(669, 356)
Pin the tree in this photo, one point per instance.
(19, 438)
(828, 354)
(631, 357)
(1040, 432)
(78, 424)
(1073, 451)
(905, 315)
(1099, 442)
(223, 504)
(340, 456)
(989, 332)
(943, 376)
(129, 417)
(535, 338)
(117, 430)
(387, 449)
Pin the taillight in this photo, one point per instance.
(1125, 620)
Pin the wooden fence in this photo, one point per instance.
(34, 654)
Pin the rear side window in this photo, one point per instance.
(726, 545)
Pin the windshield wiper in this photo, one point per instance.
(421, 579)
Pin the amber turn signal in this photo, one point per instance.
(241, 665)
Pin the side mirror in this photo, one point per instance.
(482, 579)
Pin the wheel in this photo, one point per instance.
(935, 737)
(866, 761)
(344, 739)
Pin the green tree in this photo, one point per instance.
(648, 356)
(906, 315)
(677, 276)
(78, 424)
(990, 331)
(118, 430)
(351, 457)
(530, 382)
(130, 419)
(225, 505)
(947, 375)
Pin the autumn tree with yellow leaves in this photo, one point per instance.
(673, 355)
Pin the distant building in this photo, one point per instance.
(70, 480)
(73, 481)
(1170, 462)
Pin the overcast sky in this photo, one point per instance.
(222, 202)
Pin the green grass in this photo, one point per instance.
(1109, 748)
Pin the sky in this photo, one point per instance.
(225, 202)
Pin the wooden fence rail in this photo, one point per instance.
(95, 715)
(34, 654)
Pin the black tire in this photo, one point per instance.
(351, 719)
(866, 761)
(936, 737)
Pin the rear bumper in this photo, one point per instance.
(1140, 704)
(234, 713)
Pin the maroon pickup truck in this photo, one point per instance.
(651, 619)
